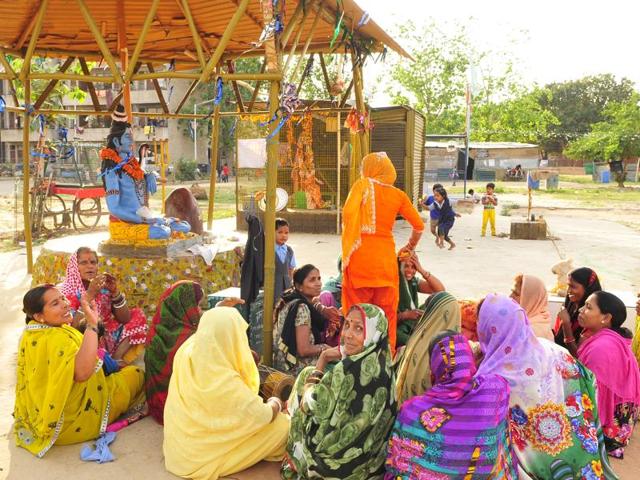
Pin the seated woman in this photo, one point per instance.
(605, 350)
(441, 312)
(215, 423)
(554, 421)
(581, 283)
(62, 394)
(298, 333)
(341, 418)
(125, 328)
(331, 294)
(436, 437)
(176, 319)
(531, 294)
(410, 286)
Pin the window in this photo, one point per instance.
(15, 153)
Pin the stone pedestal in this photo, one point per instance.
(526, 230)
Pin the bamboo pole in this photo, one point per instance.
(102, 45)
(196, 76)
(25, 33)
(261, 113)
(314, 25)
(338, 193)
(222, 43)
(26, 66)
(325, 74)
(236, 90)
(256, 90)
(215, 138)
(186, 96)
(7, 67)
(26, 161)
(141, 39)
(288, 29)
(360, 105)
(71, 77)
(163, 173)
(194, 31)
(269, 229)
(346, 95)
(90, 86)
(45, 93)
(158, 89)
(292, 51)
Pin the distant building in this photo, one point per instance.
(490, 158)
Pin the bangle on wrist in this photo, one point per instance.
(91, 327)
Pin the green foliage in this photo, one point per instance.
(521, 118)
(578, 104)
(503, 109)
(617, 137)
(186, 170)
(61, 89)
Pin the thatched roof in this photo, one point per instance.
(65, 30)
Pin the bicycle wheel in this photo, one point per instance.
(86, 212)
(53, 215)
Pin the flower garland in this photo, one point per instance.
(130, 166)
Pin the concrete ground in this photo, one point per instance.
(478, 266)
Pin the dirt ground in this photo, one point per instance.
(476, 267)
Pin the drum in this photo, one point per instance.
(274, 383)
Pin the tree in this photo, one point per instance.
(520, 119)
(578, 104)
(615, 138)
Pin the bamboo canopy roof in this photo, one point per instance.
(178, 31)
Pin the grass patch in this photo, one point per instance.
(598, 196)
(505, 211)
(582, 179)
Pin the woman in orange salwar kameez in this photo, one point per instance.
(369, 261)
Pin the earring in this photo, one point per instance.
(602, 322)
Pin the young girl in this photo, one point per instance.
(446, 217)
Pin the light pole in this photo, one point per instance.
(195, 129)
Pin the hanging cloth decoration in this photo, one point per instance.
(364, 20)
(3, 104)
(358, 122)
(336, 31)
(41, 124)
(219, 91)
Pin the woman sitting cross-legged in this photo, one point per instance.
(605, 350)
(299, 328)
(215, 423)
(341, 417)
(554, 422)
(441, 312)
(125, 328)
(410, 286)
(62, 393)
(459, 428)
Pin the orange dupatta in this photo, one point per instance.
(359, 211)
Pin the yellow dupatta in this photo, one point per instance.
(50, 407)
(212, 407)
(359, 211)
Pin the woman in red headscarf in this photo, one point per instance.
(369, 261)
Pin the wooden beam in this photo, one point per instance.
(141, 39)
(360, 105)
(347, 94)
(26, 66)
(234, 85)
(186, 96)
(90, 85)
(194, 31)
(45, 93)
(288, 29)
(156, 86)
(314, 25)
(249, 15)
(292, 51)
(7, 67)
(102, 45)
(222, 44)
(256, 90)
(123, 52)
(118, 97)
(71, 76)
(26, 162)
(215, 142)
(325, 74)
(305, 73)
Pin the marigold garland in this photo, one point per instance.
(132, 167)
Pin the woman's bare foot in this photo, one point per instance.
(452, 245)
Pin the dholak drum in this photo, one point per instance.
(274, 383)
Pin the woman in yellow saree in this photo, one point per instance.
(62, 393)
(215, 424)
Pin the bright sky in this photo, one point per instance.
(556, 40)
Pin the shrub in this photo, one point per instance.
(186, 170)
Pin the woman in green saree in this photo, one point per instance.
(341, 418)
